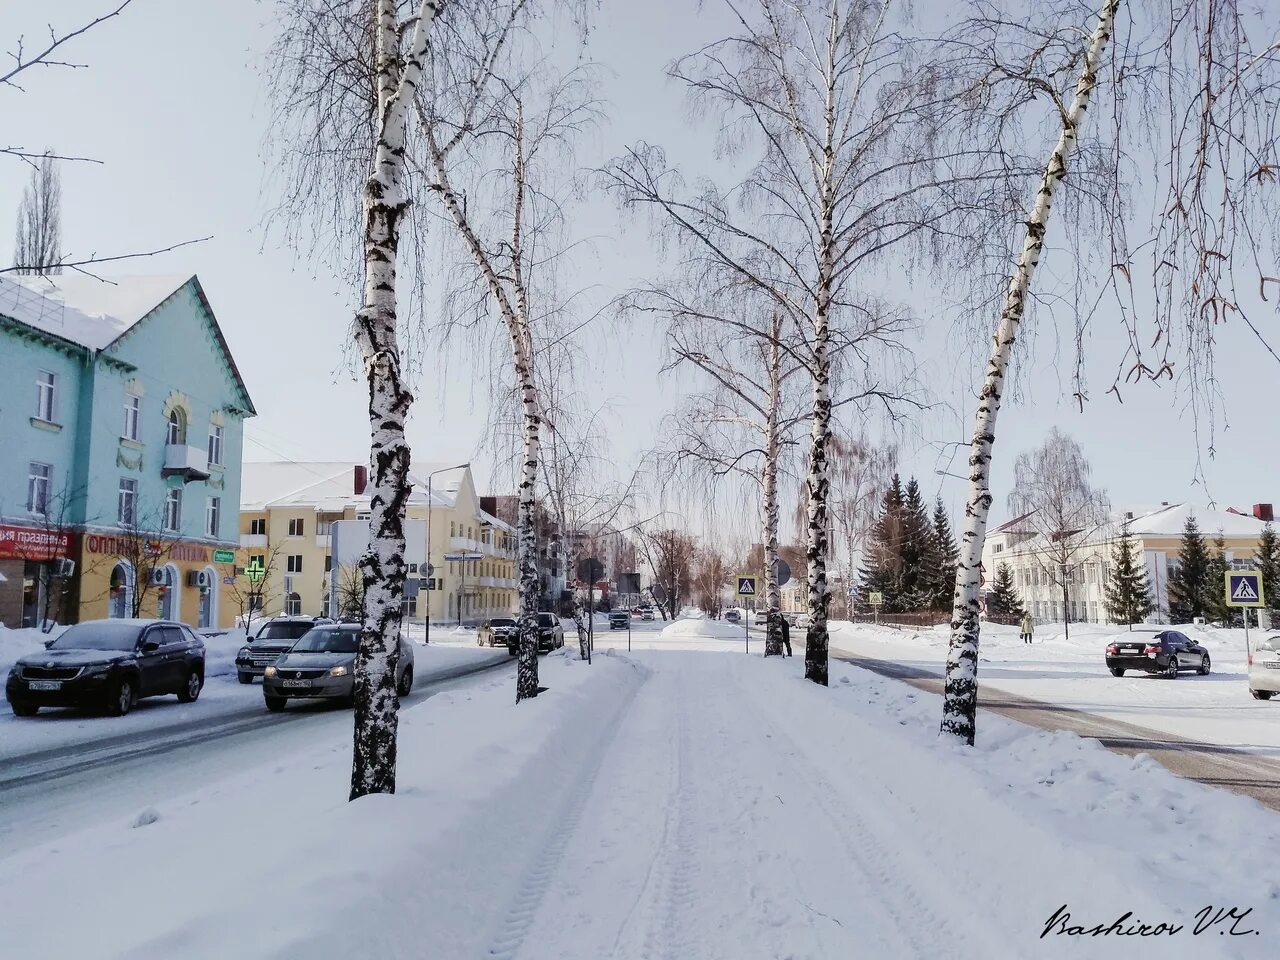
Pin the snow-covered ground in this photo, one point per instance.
(668, 803)
(1072, 673)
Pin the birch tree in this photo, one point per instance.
(499, 131)
(1052, 490)
(398, 73)
(838, 117)
(1190, 85)
(741, 425)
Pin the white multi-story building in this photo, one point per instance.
(1157, 535)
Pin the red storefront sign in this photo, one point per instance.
(24, 543)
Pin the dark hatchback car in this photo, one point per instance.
(1165, 653)
(109, 664)
(274, 639)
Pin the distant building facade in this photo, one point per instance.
(288, 514)
(1157, 535)
(121, 413)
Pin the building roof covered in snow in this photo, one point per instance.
(94, 313)
(329, 486)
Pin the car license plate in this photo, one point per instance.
(57, 684)
(1130, 650)
(1273, 664)
(297, 683)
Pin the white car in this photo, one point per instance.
(1264, 668)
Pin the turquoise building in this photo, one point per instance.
(121, 415)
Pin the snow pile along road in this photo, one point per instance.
(673, 804)
(19, 643)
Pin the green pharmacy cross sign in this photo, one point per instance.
(255, 570)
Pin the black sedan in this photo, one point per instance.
(109, 664)
(1164, 653)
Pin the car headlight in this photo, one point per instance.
(95, 669)
(245, 652)
(269, 672)
(338, 672)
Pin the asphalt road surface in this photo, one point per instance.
(1218, 765)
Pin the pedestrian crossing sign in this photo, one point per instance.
(1244, 588)
(746, 586)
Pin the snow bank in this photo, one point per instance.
(319, 876)
(18, 643)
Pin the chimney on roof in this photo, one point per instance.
(1164, 503)
(1263, 512)
(361, 478)
(1128, 514)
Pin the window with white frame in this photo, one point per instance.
(215, 444)
(173, 510)
(132, 412)
(258, 527)
(38, 478)
(293, 605)
(176, 429)
(127, 502)
(296, 527)
(294, 563)
(46, 387)
(212, 516)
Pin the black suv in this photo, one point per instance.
(109, 664)
(275, 638)
(1164, 653)
(550, 635)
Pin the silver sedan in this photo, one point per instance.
(321, 666)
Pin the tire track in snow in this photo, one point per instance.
(562, 820)
(920, 927)
(673, 934)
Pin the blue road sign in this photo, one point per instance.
(1244, 588)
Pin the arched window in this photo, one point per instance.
(293, 605)
(120, 603)
(168, 603)
(177, 430)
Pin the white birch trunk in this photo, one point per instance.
(769, 496)
(960, 698)
(383, 567)
(515, 316)
(819, 482)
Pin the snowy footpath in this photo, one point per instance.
(670, 804)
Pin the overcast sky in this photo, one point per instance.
(171, 102)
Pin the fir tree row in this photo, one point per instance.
(911, 557)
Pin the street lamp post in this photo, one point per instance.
(430, 566)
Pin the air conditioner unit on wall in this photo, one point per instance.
(204, 579)
(159, 577)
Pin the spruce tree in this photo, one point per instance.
(1216, 608)
(918, 553)
(1267, 562)
(882, 571)
(1004, 599)
(1128, 597)
(1189, 580)
(947, 557)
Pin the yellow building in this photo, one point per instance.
(288, 508)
